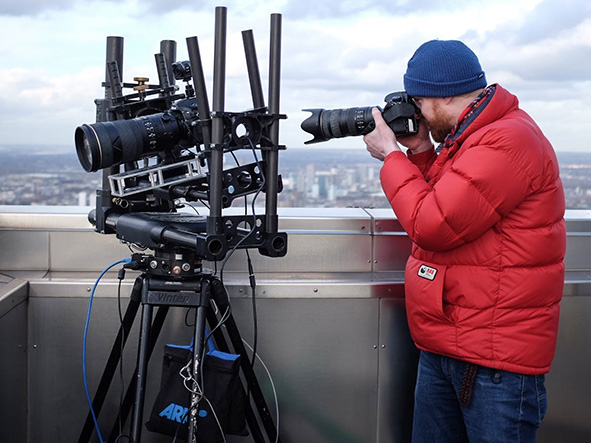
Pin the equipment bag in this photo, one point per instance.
(221, 386)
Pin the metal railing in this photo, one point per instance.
(332, 327)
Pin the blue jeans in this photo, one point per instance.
(504, 407)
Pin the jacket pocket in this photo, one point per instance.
(424, 293)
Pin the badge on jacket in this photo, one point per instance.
(427, 272)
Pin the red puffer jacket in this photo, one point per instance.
(486, 274)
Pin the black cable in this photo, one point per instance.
(251, 276)
(236, 246)
(121, 277)
(202, 394)
(252, 281)
(226, 314)
(187, 323)
(235, 158)
(201, 373)
(254, 223)
(186, 203)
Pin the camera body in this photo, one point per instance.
(325, 124)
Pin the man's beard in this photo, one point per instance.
(439, 125)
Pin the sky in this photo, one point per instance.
(335, 54)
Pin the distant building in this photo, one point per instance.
(315, 178)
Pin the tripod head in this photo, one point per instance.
(176, 264)
(157, 149)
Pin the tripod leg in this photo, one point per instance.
(251, 380)
(113, 361)
(222, 345)
(198, 354)
(130, 393)
(219, 295)
(142, 367)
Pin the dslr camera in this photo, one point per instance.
(399, 113)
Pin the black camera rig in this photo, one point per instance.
(158, 147)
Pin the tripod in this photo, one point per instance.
(170, 280)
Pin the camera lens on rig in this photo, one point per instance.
(105, 144)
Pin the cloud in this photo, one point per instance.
(335, 54)
(295, 9)
(549, 20)
(331, 9)
(46, 109)
(32, 7)
(35, 8)
(552, 43)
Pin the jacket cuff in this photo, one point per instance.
(394, 154)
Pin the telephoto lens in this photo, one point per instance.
(336, 123)
(399, 113)
(105, 144)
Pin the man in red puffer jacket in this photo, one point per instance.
(483, 284)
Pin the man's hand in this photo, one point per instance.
(382, 141)
(419, 142)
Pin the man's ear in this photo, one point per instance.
(447, 100)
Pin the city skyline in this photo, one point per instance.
(312, 177)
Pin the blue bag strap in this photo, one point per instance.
(210, 345)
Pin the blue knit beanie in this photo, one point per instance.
(443, 68)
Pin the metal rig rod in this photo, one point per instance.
(161, 66)
(168, 49)
(272, 174)
(115, 82)
(200, 89)
(114, 54)
(254, 76)
(214, 220)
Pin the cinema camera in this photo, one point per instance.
(325, 124)
(158, 147)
